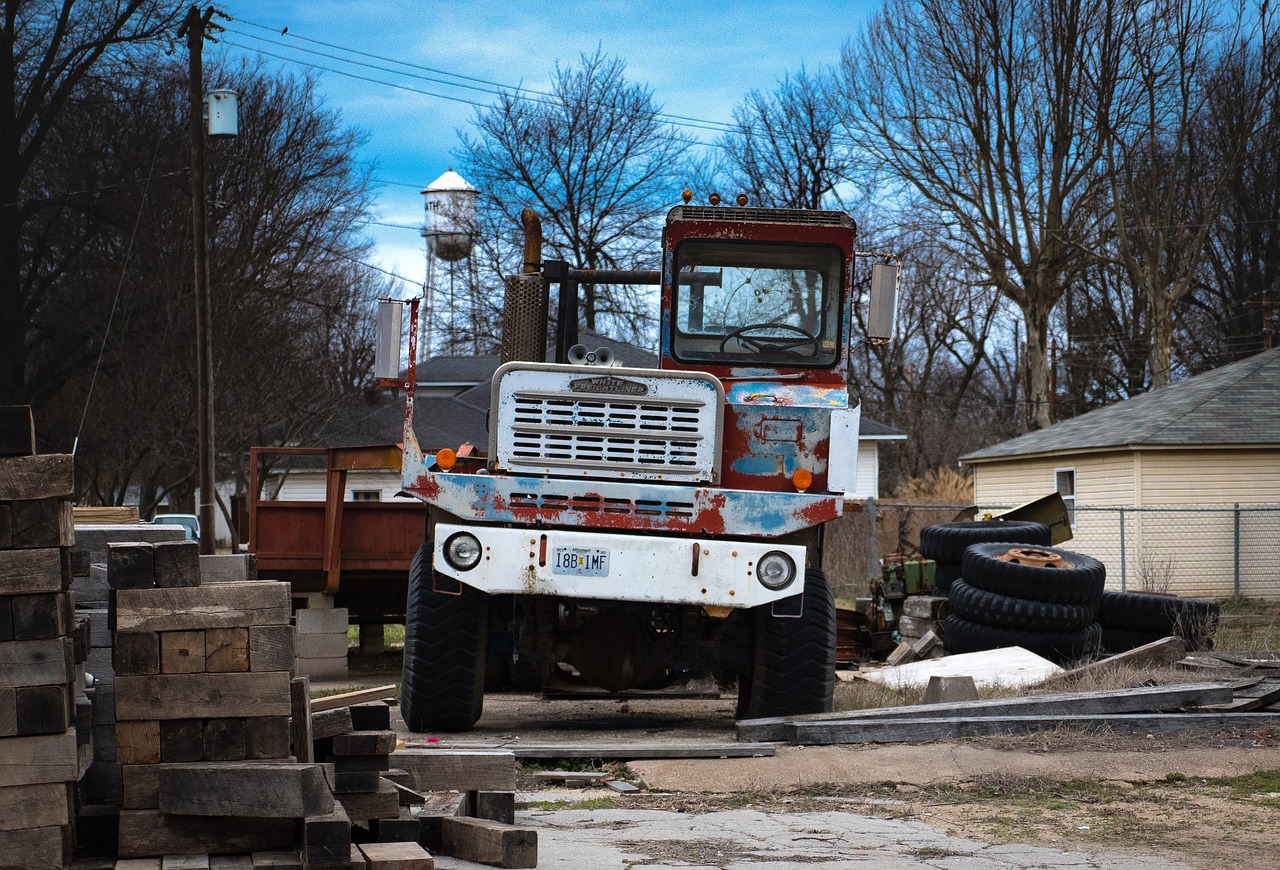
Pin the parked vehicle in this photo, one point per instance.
(189, 522)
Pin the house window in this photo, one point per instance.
(366, 495)
(1065, 483)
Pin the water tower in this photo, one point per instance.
(450, 224)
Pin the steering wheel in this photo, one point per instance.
(764, 343)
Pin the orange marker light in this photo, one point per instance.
(803, 479)
(686, 195)
(742, 199)
(714, 199)
(446, 458)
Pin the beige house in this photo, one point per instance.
(1176, 490)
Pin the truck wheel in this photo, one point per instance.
(946, 542)
(977, 605)
(794, 659)
(442, 685)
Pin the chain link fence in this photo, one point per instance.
(1204, 552)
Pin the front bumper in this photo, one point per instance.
(644, 568)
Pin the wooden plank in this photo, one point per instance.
(6, 618)
(496, 806)
(271, 647)
(1156, 654)
(458, 769)
(330, 723)
(33, 806)
(185, 862)
(201, 696)
(8, 711)
(43, 709)
(396, 856)
(141, 786)
(332, 702)
(40, 848)
(1243, 704)
(230, 862)
(281, 859)
(301, 735)
(224, 739)
(267, 737)
(226, 650)
(381, 804)
(107, 515)
(136, 653)
(438, 807)
(260, 790)
(487, 842)
(131, 565)
(224, 605)
(326, 838)
(365, 743)
(182, 652)
(46, 758)
(47, 475)
(36, 617)
(34, 663)
(150, 832)
(17, 431)
(138, 742)
(177, 563)
(637, 751)
(877, 730)
(371, 716)
(30, 571)
(1110, 701)
(40, 523)
(181, 740)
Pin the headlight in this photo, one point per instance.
(462, 551)
(776, 570)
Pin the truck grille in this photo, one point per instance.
(631, 423)
(594, 504)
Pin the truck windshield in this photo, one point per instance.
(757, 304)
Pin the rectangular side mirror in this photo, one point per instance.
(388, 334)
(882, 307)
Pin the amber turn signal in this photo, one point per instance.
(446, 458)
(803, 479)
(686, 195)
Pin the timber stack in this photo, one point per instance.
(44, 714)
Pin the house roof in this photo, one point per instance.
(1235, 405)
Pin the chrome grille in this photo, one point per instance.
(596, 504)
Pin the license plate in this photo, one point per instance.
(581, 561)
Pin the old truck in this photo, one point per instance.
(627, 525)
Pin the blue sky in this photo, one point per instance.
(699, 58)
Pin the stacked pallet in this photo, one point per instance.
(321, 636)
(202, 706)
(40, 753)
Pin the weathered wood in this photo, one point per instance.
(185, 862)
(43, 709)
(45, 758)
(33, 806)
(230, 862)
(40, 848)
(332, 702)
(47, 475)
(1152, 655)
(278, 790)
(271, 648)
(136, 653)
(571, 777)
(326, 838)
(281, 859)
(191, 696)
(36, 617)
(224, 739)
(347, 782)
(39, 523)
(8, 711)
(141, 786)
(330, 723)
(177, 563)
(1110, 701)
(458, 769)
(138, 742)
(6, 618)
(380, 804)
(496, 806)
(225, 605)
(181, 740)
(182, 652)
(226, 650)
(131, 566)
(30, 571)
(438, 806)
(17, 431)
(487, 842)
(107, 515)
(365, 743)
(301, 734)
(399, 830)
(150, 832)
(396, 856)
(266, 737)
(34, 663)
(636, 751)
(371, 716)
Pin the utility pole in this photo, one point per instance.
(193, 27)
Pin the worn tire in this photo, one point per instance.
(946, 542)
(963, 636)
(989, 608)
(445, 637)
(945, 574)
(1192, 619)
(1118, 640)
(793, 659)
(1080, 584)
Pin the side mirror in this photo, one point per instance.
(388, 334)
(882, 306)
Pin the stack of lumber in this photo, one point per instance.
(359, 745)
(920, 627)
(321, 636)
(40, 752)
(202, 706)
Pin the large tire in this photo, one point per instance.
(1079, 584)
(963, 636)
(944, 574)
(946, 542)
(1192, 619)
(988, 608)
(445, 636)
(794, 659)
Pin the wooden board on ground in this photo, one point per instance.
(1010, 667)
(396, 856)
(458, 769)
(262, 790)
(487, 842)
(185, 608)
(201, 696)
(1157, 654)
(330, 723)
(145, 833)
(618, 751)
(346, 699)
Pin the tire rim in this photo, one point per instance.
(1034, 558)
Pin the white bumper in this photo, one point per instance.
(634, 567)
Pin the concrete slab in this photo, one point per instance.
(1012, 666)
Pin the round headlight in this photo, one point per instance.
(462, 551)
(776, 570)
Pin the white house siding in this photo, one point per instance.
(310, 485)
(868, 485)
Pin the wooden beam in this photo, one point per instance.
(223, 605)
(487, 842)
(201, 696)
(48, 475)
(150, 832)
(25, 572)
(45, 758)
(1157, 654)
(34, 663)
(33, 806)
(259, 790)
(332, 702)
(396, 856)
(458, 769)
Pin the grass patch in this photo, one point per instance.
(392, 635)
(1261, 782)
(600, 803)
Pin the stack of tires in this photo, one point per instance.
(1037, 597)
(945, 543)
(1131, 619)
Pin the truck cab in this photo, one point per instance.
(628, 526)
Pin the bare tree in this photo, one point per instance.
(987, 110)
(595, 158)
